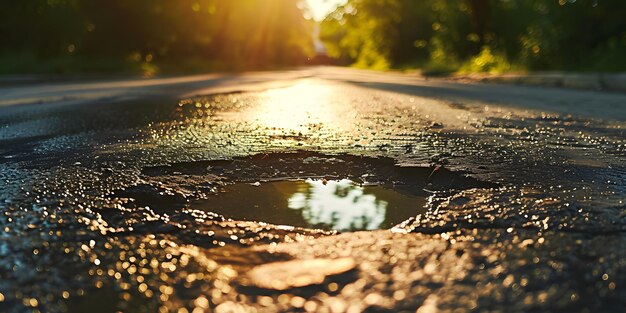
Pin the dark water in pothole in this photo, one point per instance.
(334, 204)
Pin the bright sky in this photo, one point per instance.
(321, 8)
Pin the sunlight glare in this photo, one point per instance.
(295, 109)
(321, 8)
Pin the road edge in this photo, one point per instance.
(612, 82)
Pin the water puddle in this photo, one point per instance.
(333, 204)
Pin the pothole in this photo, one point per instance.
(317, 203)
(305, 189)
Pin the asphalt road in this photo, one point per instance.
(104, 189)
(554, 100)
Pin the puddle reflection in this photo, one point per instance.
(340, 204)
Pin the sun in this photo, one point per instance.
(321, 8)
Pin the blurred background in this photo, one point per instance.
(436, 36)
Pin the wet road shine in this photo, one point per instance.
(119, 196)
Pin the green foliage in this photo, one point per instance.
(486, 61)
(480, 35)
(148, 34)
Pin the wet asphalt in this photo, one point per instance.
(99, 183)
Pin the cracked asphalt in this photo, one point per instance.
(99, 183)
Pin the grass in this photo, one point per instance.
(27, 63)
(487, 61)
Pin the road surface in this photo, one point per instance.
(104, 189)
